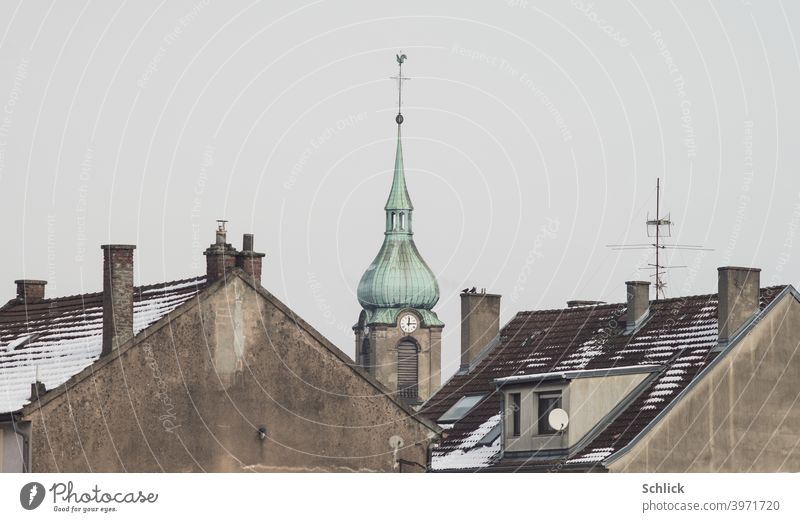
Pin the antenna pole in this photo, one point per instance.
(658, 220)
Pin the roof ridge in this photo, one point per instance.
(136, 290)
(584, 308)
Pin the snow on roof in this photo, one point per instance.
(679, 337)
(57, 338)
(576, 374)
(468, 453)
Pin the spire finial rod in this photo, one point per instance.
(400, 59)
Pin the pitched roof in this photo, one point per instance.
(59, 337)
(679, 336)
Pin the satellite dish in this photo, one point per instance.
(558, 419)
(396, 442)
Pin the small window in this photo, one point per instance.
(408, 371)
(394, 221)
(516, 408)
(365, 355)
(490, 437)
(460, 408)
(402, 220)
(547, 403)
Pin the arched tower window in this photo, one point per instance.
(402, 220)
(408, 371)
(394, 221)
(366, 359)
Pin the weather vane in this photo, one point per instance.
(400, 59)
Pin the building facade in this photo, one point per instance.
(703, 383)
(212, 373)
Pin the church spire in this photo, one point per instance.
(398, 277)
(398, 335)
(398, 206)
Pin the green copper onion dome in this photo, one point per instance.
(398, 277)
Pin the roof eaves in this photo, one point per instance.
(723, 352)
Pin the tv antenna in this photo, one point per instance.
(659, 228)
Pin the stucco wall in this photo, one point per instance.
(11, 445)
(593, 398)
(744, 415)
(192, 396)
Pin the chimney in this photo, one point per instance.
(480, 324)
(117, 295)
(30, 290)
(220, 256)
(638, 304)
(37, 390)
(248, 260)
(738, 298)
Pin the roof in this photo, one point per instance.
(57, 338)
(398, 277)
(680, 336)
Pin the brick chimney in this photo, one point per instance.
(638, 304)
(480, 324)
(220, 256)
(738, 289)
(117, 295)
(249, 260)
(30, 290)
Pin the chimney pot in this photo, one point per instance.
(738, 294)
(248, 260)
(220, 256)
(117, 295)
(480, 324)
(247, 243)
(30, 290)
(638, 304)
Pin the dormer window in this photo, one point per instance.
(459, 409)
(587, 397)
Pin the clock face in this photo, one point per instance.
(408, 323)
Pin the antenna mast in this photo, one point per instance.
(658, 222)
(658, 233)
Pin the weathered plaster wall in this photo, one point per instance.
(742, 416)
(192, 396)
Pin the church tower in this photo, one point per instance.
(398, 336)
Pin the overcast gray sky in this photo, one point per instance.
(534, 135)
